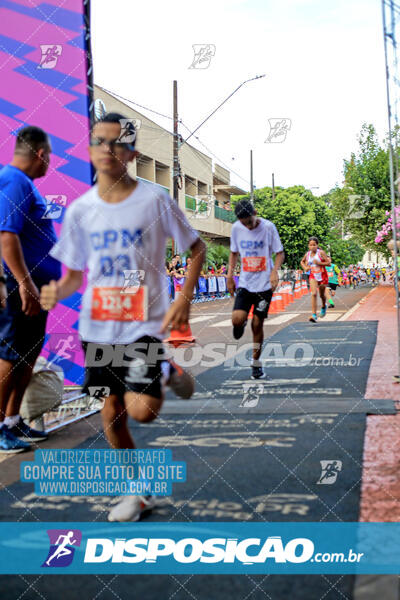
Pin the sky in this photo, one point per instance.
(324, 67)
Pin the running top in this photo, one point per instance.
(332, 275)
(22, 211)
(317, 271)
(110, 238)
(256, 247)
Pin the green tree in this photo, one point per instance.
(361, 203)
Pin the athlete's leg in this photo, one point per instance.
(241, 308)
(322, 293)
(21, 377)
(239, 317)
(258, 335)
(115, 417)
(142, 407)
(314, 289)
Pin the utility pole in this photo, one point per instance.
(175, 168)
(251, 178)
(273, 187)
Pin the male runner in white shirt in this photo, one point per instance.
(255, 239)
(122, 225)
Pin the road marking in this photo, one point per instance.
(330, 317)
(281, 319)
(339, 342)
(275, 382)
(274, 321)
(202, 318)
(227, 323)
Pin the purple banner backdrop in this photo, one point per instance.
(45, 74)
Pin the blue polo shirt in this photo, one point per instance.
(21, 212)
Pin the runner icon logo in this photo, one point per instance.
(132, 281)
(251, 396)
(62, 547)
(278, 129)
(203, 54)
(50, 56)
(330, 471)
(55, 204)
(98, 394)
(128, 130)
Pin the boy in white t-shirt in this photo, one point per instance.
(120, 226)
(255, 239)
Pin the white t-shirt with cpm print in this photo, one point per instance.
(108, 238)
(255, 247)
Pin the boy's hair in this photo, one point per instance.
(313, 239)
(30, 139)
(244, 209)
(114, 117)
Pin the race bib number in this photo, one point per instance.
(316, 270)
(112, 304)
(254, 264)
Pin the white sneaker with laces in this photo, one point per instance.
(131, 508)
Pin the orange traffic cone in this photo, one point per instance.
(304, 288)
(297, 292)
(279, 302)
(291, 294)
(250, 315)
(272, 306)
(287, 295)
(179, 337)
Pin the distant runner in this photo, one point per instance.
(316, 260)
(333, 282)
(255, 239)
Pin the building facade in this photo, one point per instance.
(205, 189)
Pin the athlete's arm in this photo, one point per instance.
(178, 313)
(58, 290)
(303, 263)
(326, 261)
(230, 282)
(274, 279)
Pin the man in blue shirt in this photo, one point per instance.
(26, 239)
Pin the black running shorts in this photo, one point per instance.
(332, 286)
(261, 301)
(143, 375)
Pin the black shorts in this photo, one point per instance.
(21, 337)
(261, 301)
(332, 286)
(141, 376)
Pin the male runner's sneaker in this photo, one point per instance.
(257, 372)
(180, 382)
(25, 433)
(238, 330)
(9, 444)
(331, 303)
(131, 508)
(323, 312)
(313, 318)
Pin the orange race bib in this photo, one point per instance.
(111, 304)
(254, 264)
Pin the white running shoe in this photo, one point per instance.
(131, 508)
(180, 382)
